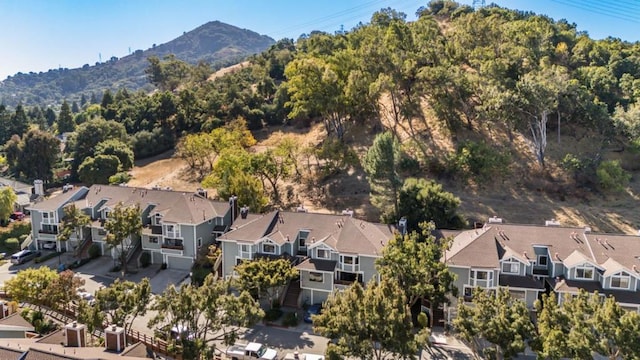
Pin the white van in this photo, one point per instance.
(23, 256)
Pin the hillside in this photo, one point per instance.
(215, 43)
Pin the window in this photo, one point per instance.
(302, 238)
(157, 219)
(349, 260)
(584, 273)
(518, 294)
(468, 293)
(511, 267)
(316, 277)
(620, 281)
(323, 254)
(268, 248)
(153, 239)
(246, 252)
(482, 278)
(542, 260)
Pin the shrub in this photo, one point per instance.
(145, 259)
(119, 178)
(12, 244)
(94, 251)
(78, 263)
(44, 258)
(290, 319)
(198, 274)
(611, 176)
(272, 314)
(479, 160)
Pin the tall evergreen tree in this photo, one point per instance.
(65, 119)
(381, 163)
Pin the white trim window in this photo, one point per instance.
(245, 251)
(268, 248)
(543, 260)
(620, 281)
(482, 278)
(511, 267)
(584, 272)
(323, 253)
(316, 276)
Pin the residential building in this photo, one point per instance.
(330, 251)
(530, 260)
(176, 225)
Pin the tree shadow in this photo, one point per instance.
(279, 338)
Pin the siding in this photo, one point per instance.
(146, 244)
(462, 278)
(326, 284)
(531, 297)
(186, 231)
(368, 267)
(229, 253)
(205, 232)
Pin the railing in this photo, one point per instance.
(48, 232)
(25, 244)
(349, 267)
(83, 244)
(173, 234)
(132, 250)
(158, 346)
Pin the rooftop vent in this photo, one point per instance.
(348, 212)
(552, 222)
(587, 229)
(495, 220)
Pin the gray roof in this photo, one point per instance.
(16, 185)
(175, 206)
(341, 232)
(515, 281)
(574, 286)
(55, 202)
(317, 265)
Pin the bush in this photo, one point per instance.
(198, 274)
(290, 319)
(145, 259)
(119, 178)
(94, 251)
(479, 160)
(611, 176)
(12, 244)
(272, 314)
(44, 258)
(78, 263)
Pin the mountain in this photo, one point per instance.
(216, 43)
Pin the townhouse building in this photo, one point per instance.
(176, 225)
(530, 260)
(329, 251)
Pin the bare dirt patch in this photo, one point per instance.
(165, 171)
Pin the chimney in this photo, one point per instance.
(402, 226)
(233, 205)
(552, 222)
(5, 309)
(587, 229)
(75, 335)
(114, 338)
(38, 187)
(244, 212)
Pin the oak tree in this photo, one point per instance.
(123, 226)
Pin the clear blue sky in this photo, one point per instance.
(38, 35)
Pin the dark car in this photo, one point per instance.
(314, 309)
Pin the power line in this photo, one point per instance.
(597, 11)
(616, 9)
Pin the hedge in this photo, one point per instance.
(44, 258)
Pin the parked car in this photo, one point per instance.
(251, 351)
(87, 296)
(49, 245)
(17, 216)
(315, 309)
(298, 356)
(23, 256)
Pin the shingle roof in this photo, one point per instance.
(15, 320)
(317, 265)
(175, 206)
(10, 354)
(341, 232)
(55, 202)
(573, 286)
(515, 281)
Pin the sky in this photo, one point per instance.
(38, 35)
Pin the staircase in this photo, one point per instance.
(83, 248)
(293, 294)
(133, 255)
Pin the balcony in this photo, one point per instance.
(348, 267)
(172, 244)
(345, 279)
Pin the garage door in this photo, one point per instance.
(179, 263)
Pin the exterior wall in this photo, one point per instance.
(148, 245)
(204, 231)
(326, 284)
(558, 269)
(179, 263)
(314, 296)
(229, 253)
(531, 298)
(606, 283)
(368, 267)
(188, 245)
(12, 334)
(36, 220)
(462, 278)
(156, 257)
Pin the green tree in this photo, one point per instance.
(65, 119)
(123, 226)
(425, 276)
(611, 176)
(553, 325)
(30, 285)
(498, 319)
(98, 170)
(265, 276)
(381, 163)
(118, 149)
(424, 200)
(207, 314)
(272, 167)
(89, 135)
(616, 330)
(39, 152)
(73, 221)
(7, 202)
(372, 323)
(63, 289)
(120, 303)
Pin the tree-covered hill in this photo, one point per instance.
(215, 43)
